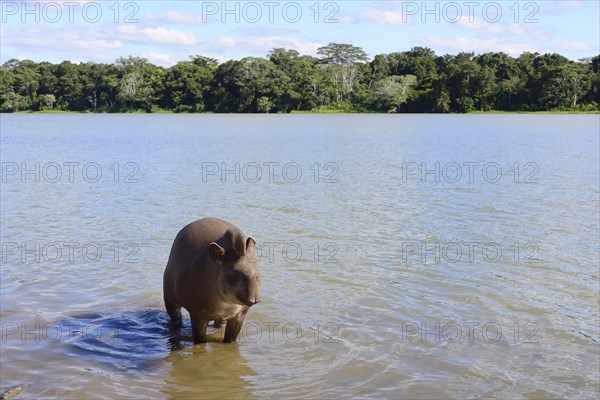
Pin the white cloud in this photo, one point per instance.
(346, 18)
(454, 45)
(576, 47)
(265, 31)
(97, 44)
(223, 42)
(165, 60)
(383, 16)
(260, 45)
(56, 45)
(484, 29)
(529, 31)
(479, 25)
(188, 18)
(150, 18)
(55, 39)
(157, 35)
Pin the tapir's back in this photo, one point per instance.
(196, 236)
(203, 232)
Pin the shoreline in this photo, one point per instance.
(305, 113)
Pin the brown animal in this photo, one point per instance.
(213, 273)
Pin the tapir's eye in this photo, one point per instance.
(233, 279)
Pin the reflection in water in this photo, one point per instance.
(131, 341)
(208, 371)
(140, 342)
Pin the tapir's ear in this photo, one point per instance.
(250, 246)
(216, 252)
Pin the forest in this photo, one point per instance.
(342, 78)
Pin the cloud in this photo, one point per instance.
(374, 12)
(43, 43)
(259, 45)
(58, 39)
(529, 31)
(222, 43)
(479, 25)
(345, 18)
(576, 47)
(156, 35)
(265, 31)
(383, 16)
(485, 29)
(165, 60)
(187, 18)
(461, 44)
(150, 18)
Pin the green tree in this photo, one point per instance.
(393, 91)
(411, 81)
(462, 75)
(340, 62)
(47, 101)
(579, 78)
(13, 102)
(21, 92)
(240, 84)
(594, 93)
(560, 82)
(526, 91)
(48, 80)
(102, 86)
(70, 88)
(380, 68)
(499, 81)
(485, 89)
(303, 89)
(423, 64)
(7, 91)
(141, 83)
(188, 83)
(10, 101)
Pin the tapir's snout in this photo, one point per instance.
(253, 291)
(254, 301)
(251, 301)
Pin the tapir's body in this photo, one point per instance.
(212, 272)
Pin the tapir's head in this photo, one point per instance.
(239, 275)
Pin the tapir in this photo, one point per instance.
(213, 273)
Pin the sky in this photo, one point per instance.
(166, 32)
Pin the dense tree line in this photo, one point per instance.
(342, 78)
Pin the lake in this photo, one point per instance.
(402, 256)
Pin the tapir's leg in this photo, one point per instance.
(174, 311)
(234, 326)
(199, 326)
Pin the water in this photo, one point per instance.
(402, 256)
